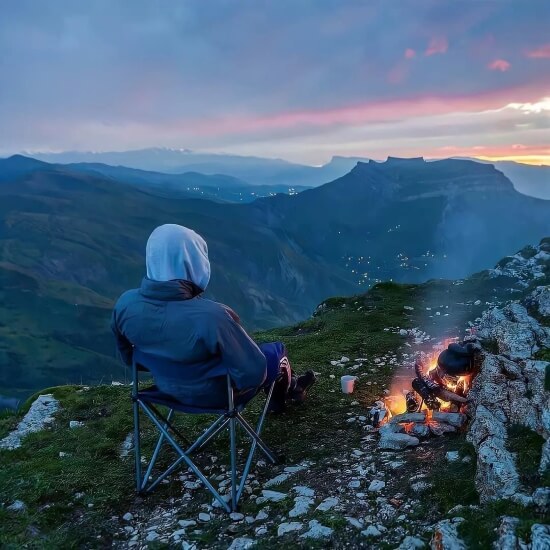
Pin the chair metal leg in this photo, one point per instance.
(156, 451)
(187, 460)
(233, 447)
(137, 445)
(250, 431)
(254, 444)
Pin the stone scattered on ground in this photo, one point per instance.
(327, 504)
(289, 527)
(75, 424)
(17, 506)
(317, 531)
(445, 535)
(241, 543)
(270, 496)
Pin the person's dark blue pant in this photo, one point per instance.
(279, 371)
(275, 354)
(278, 368)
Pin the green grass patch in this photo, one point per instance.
(479, 529)
(527, 445)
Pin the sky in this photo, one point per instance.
(297, 79)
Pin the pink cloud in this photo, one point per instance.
(438, 44)
(499, 65)
(409, 53)
(543, 52)
(362, 113)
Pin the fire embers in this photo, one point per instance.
(436, 402)
(446, 382)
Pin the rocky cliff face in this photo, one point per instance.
(510, 391)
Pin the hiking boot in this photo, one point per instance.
(303, 383)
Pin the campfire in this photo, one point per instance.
(435, 400)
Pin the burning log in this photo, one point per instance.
(408, 417)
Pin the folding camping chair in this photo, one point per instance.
(149, 399)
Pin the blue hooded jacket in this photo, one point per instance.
(169, 319)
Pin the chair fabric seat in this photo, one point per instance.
(154, 395)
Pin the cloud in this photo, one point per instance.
(530, 108)
(437, 45)
(499, 65)
(542, 52)
(274, 78)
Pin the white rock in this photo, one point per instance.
(371, 531)
(127, 445)
(204, 517)
(296, 469)
(358, 524)
(236, 516)
(420, 486)
(259, 531)
(127, 516)
(452, 456)
(289, 527)
(540, 537)
(303, 491)
(376, 485)
(151, 536)
(354, 484)
(17, 506)
(317, 531)
(241, 543)
(188, 545)
(36, 419)
(270, 496)
(277, 480)
(541, 498)
(75, 424)
(344, 359)
(445, 535)
(412, 543)
(327, 504)
(390, 438)
(262, 514)
(301, 506)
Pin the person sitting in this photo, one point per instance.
(168, 317)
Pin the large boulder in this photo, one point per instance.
(509, 389)
(516, 333)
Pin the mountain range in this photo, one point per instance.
(527, 179)
(72, 239)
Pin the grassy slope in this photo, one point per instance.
(69, 239)
(51, 486)
(38, 476)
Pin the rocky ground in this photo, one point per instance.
(66, 473)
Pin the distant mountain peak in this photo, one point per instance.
(405, 160)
